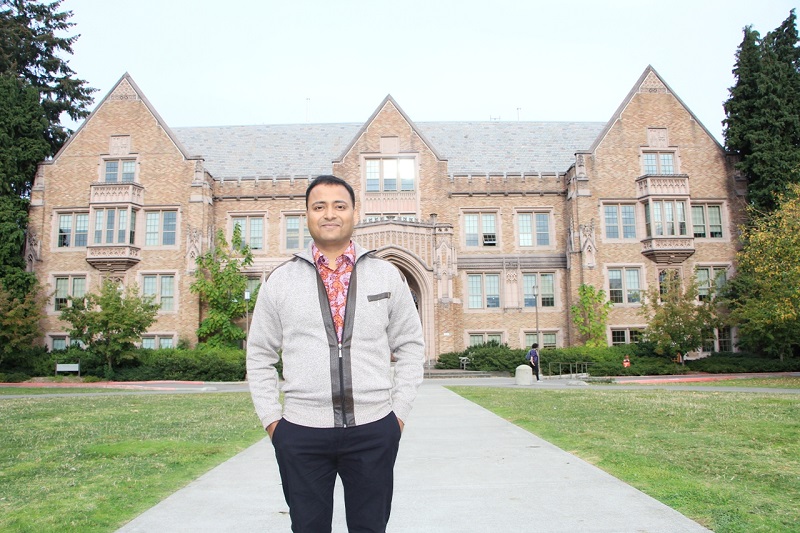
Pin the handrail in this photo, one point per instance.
(575, 368)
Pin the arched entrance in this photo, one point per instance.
(420, 281)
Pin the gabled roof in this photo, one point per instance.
(366, 125)
(124, 88)
(651, 80)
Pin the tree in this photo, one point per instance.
(590, 315)
(677, 321)
(762, 124)
(764, 299)
(221, 285)
(19, 320)
(110, 322)
(32, 48)
(22, 147)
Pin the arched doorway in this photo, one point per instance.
(420, 281)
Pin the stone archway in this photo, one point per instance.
(420, 281)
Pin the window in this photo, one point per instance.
(718, 340)
(297, 235)
(73, 230)
(66, 287)
(623, 285)
(476, 339)
(710, 280)
(625, 336)
(665, 217)
(544, 286)
(480, 229)
(620, 221)
(161, 288)
(160, 228)
(668, 279)
(114, 226)
(707, 221)
(253, 284)
(252, 230)
(534, 225)
(484, 291)
(548, 339)
(390, 174)
(150, 342)
(122, 170)
(658, 162)
(59, 343)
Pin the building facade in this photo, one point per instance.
(494, 224)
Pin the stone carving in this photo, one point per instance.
(194, 247)
(588, 247)
(580, 166)
(124, 91)
(119, 145)
(652, 84)
(657, 137)
(32, 249)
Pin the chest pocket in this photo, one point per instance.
(379, 296)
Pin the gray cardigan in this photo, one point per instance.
(327, 385)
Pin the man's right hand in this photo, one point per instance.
(271, 428)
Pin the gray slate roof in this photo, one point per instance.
(309, 149)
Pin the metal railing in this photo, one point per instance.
(573, 370)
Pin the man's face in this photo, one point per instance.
(331, 217)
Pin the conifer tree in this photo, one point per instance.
(763, 113)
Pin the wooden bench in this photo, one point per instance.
(69, 367)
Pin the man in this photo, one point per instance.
(533, 359)
(336, 315)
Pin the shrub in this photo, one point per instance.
(729, 362)
(14, 377)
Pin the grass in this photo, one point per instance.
(92, 463)
(29, 391)
(730, 461)
(770, 383)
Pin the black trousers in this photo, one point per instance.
(363, 456)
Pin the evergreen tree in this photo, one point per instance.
(31, 48)
(22, 147)
(763, 113)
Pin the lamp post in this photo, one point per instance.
(246, 316)
(535, 290)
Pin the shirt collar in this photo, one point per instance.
(349, 255)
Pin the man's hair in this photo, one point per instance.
(328, 179)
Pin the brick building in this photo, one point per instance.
(494, 224)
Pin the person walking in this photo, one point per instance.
(533, 359)
(335, 315)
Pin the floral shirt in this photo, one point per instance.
(336, 279)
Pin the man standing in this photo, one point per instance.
(335, 315)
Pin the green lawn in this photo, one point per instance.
(770, 383)
(28, 391)
(91, 463)
(730, 461)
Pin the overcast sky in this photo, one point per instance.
(203, 63)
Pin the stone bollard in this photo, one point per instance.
(524, 375)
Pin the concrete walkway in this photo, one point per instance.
(461, 469)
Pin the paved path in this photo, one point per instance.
(461, 469)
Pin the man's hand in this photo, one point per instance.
(402, 425)
(271, 428)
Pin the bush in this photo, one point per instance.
(729, 362)
(14, 377)
(205, 363)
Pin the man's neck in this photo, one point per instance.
(331, 254)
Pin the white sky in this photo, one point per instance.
(203, 63)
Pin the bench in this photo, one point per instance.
(69, 367)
